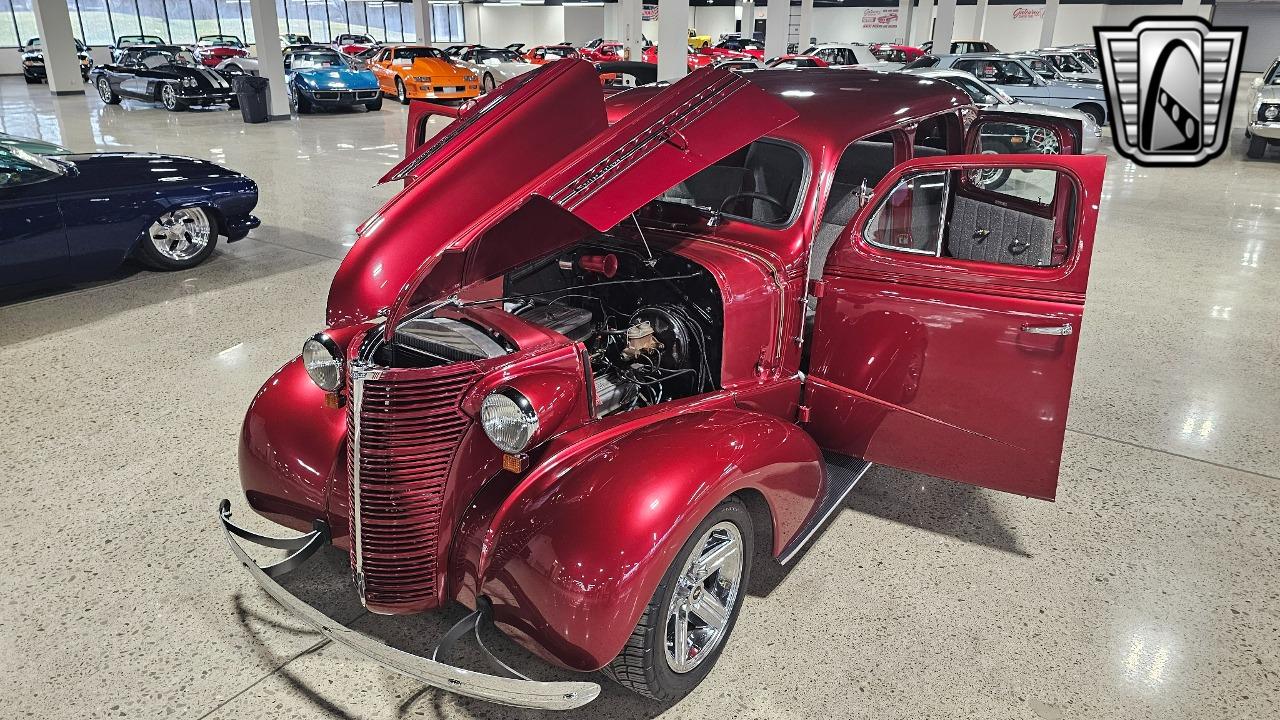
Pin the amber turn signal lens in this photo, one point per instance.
(514, 463)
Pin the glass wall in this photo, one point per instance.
(100, 22)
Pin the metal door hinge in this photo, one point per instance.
(802, 414)
(817, 288)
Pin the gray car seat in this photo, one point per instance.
(868, 160)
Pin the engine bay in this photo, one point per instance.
(652, 324)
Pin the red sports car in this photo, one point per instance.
(789, 62)
(210, 50)
(601, 51)
(735, 47)
(573, 372)
(695, 59)
(353, 44)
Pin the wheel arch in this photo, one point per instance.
(216, 217)
(572, 555)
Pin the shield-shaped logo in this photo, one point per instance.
(1171, 84)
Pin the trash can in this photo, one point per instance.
(252, 93)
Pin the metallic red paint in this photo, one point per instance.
(570, 551)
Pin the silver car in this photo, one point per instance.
(992, 98)
(1069, 66)
(1016, 78)
(494, 66)
(1264, 112)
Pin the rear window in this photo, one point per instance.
(924, 61)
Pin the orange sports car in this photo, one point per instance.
(424, 73)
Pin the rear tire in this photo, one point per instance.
(647, 664)
(105, 92)
(30, 80)
(1257, 147)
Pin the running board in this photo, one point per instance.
(843, 474)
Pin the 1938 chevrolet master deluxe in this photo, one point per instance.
(576, 372)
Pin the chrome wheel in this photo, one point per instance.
(181, 234)
(1044, 142)
(706, 592)
(168, 97)
(104, 90)
(401, 94)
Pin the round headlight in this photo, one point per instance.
(509, 420)
(323, 361)
(1271, 112)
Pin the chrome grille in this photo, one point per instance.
(404, 429)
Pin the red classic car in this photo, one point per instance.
(211, 50)
(896, 53)
(353, 44)
(575, 383)
(694, 59)
(601, 51)
(550, 53)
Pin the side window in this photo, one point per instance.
(862, 165)
(936, 136)
(952, 214)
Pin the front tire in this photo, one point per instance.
(401, 94)
(692, 612)
(1257, 147)
(374, 105)
(178, 240)
(31, 80)
(105, 92)
(169, 98)
(1093, 111)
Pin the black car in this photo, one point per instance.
(67, 218)
(33, 70)
(166, 74)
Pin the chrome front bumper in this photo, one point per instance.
(1268, 130)
(519, 692)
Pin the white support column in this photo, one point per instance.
(747, 19)
(422, 21)
(61, 63)
(806, 23)
(673, 39)
(270, 61)
(777, 24)
(980, 21)
(924, 25)
(945, 28)
(630, 28)
(1048, 23)
(904, 21)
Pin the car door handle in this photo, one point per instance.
(1065, 329)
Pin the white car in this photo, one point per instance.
(842, 55)
(494, 65)
(1264, 112)
(989, 97)
(1069, 65)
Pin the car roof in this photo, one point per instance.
(836, 106)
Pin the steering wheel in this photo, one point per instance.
(754, 196)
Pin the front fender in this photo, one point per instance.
(572, 553)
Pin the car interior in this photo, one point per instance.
(760, 183)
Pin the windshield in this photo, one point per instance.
(355, 40)
(19, 167)
(413, 53)
(978, 90)
(1067, 63)
(999, 72)
(126, 40)
(1273, 75)
(484, 56)
(311, 60)
(221, 40)
(760, 183)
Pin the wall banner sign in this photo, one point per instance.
(880, 18)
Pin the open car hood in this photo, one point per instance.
(508, 181)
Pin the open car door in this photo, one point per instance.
(949, 315)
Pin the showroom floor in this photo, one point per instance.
(1149, 590)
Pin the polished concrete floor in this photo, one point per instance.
(1151, 589)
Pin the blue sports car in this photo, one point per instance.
(65, 218)
(321, 78)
